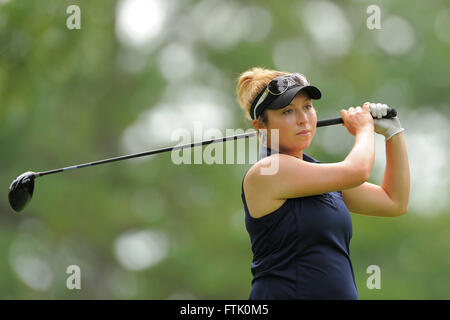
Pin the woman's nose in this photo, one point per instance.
(301, 117)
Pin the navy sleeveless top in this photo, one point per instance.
(301, 250)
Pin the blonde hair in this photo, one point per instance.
(250, 83)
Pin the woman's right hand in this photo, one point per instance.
(357, 119)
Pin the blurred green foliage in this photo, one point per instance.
(65, 100)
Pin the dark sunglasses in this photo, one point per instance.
(279, 85)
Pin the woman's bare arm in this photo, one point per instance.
(396, 180)
(392, 197)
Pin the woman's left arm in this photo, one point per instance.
(391, 199)
(396, 180)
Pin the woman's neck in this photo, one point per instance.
(297, 154)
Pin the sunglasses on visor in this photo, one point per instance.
(280, 85)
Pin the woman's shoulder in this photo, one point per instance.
(258, 194)
(257, 169)
(262, 174)
(268, 166)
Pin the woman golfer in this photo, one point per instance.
(298, 215)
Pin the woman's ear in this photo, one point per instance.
(258, 124)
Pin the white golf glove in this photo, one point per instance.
(387, 127)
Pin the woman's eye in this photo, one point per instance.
(290, 110)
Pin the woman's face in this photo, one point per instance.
(298, 116)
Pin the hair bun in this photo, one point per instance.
(250, 83)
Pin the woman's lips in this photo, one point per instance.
(304, 132)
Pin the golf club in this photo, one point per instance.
(21, 189)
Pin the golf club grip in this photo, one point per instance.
(322, 123)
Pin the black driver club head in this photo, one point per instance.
(21, 190)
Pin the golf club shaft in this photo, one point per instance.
(148, 153)
(391, 113)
